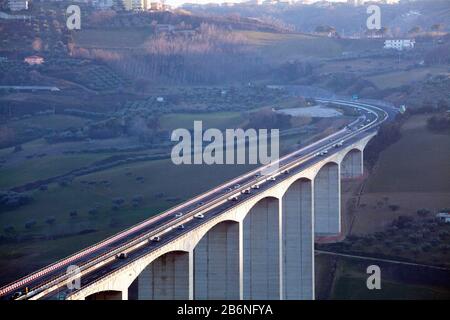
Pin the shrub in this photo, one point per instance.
(50, 220)
(118, 201)
(29, 224)
(423, 212)
(9, 229)
(394, 207)
(11, 199)
(402, 221)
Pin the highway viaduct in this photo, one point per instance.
(256, 244)
(262, 248)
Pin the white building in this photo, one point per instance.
(362, 2)
(399, 44)
(18, 5)
(443, 217)
(103, 4)
(144, 5)
(136, 5)
(253, 2)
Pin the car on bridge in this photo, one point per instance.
(122, 256)
(155, 239)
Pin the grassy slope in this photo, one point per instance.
(220, 120)
(289, 46)
(413, 173)
(54, 122)
(399, 78)
(419, 162)
(114, 38)
(351, 277)
(41, 168)
(276, 46)
(160, 177)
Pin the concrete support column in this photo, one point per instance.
(280, 248)
(165, 278)
(327, 200)
(144, 281)
(352, 164)
(261, 251)
(241, 261)
(298, 242)
(191, 275)
(216, 263)
(125, 294)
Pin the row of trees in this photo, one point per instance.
(10, 200)
(207, 55)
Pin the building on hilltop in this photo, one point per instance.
(144, 5)
(444, 216)
(102, 4)
(34, 60)
(399, 44)
(363, 2)
(18, 5)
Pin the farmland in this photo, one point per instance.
(411, 174)
(397, 282)
(294, 46)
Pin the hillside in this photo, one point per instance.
(345, 18)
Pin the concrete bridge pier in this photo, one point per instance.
(352, 164)
(298, 241)
(261, 272)
(216, 263)
(327, 200)
(167, 277)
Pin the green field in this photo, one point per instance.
(399, 78)
(411, 174)
(161, 188)
(114, 38)
(159, 177)
(220, 120)
(42, 168)
(418, 162)
(350, 283)
(54, 122)
(275, 45)
(289, 46)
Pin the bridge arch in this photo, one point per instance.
(327, 199)
(352, 164)
(298, 241)
(164, 278)
(216, 263)
(261, 243)
(106, 295)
